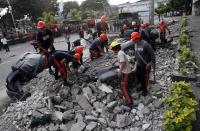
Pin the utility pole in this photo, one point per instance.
(193, 8)
(61, 6)
(151, 12)
(10, 8)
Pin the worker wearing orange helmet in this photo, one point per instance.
(163, 28)
(97, 47)
(102, 27)
(144, 32)
(45, 39)
(145, 58)
(60, 60)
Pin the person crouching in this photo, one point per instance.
(60, 61)
(97, 47)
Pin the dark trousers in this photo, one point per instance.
(69, 46)
(6, 48)
(124, 85)
(143, 76)
(163, 37)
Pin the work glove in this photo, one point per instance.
(148, 66)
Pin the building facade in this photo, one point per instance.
(142, 7)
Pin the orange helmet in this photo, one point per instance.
(77, 57)
(135, 35)
(103, 37)
(103, 18)
(124, 26)
(41, 24)
(79, 49)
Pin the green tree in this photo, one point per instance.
(92, 14)
(113, 13)
(34, 8)
(70, 5)
(96, 5)
(181, 5)
(161, 9)
(48, 17)
(74, 14)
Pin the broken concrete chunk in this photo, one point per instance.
(78, 126)
(83, 102)
(111, 105)
(123, 121)
(87, 92)
(145, 126)
(68, 116)
(91, 126)
(58, 116)
(105, 88)
(140, 106)
(90, 118)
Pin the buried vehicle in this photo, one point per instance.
(26, 68)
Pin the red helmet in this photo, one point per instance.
(77, 57)
(103, 18)
(103, 37)
(79, 49)
(135, 35)
(41, 24)
(146, 24)
(124, 26)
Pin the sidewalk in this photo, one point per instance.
(194, 25)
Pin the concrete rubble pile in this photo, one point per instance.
(90, 105)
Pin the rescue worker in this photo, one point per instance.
(163, 28)
(144, 33)
(97, 47)
(45, 40)
(123, 29)
(145, 59)
(135, 26)
(60, 61)
(78, 49)
(102, 27)
(124, 71)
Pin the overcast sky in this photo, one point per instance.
(112, 2)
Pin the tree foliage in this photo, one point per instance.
(91, 14)
(48, 17)
(74, 14)
(113, 13)
(34, 8)
(94, 5)
(180, 5)
(70, 5)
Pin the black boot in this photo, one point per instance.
(66, 83)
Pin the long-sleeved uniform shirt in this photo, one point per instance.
(144, 53)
